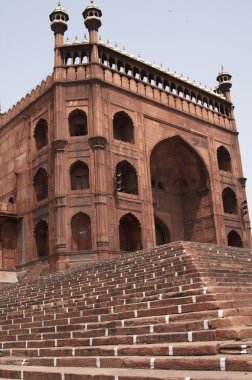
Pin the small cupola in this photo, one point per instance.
(59, 19)
(92, 16)
(224, 81)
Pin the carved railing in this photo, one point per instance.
(121, 62)
(136, 75)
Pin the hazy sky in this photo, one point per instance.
(191, 37)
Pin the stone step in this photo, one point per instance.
(123, 299)
(68, 373)
(176, 349)
(168, 326)
(206, 363)
(123, 283)
(184, 305)
(92, 314)
(202, 315)
(76, 339)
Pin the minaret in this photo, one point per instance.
(225, 84)
(97, 140)
(92, 20)
(58, 19)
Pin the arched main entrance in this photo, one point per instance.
(130, 233)
(181, 192)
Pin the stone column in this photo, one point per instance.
(98, 145)
(59, 148)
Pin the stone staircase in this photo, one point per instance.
(181, 311)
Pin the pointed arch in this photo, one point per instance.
(229, 201)
(130, 233)
(224, 159)
(126, 178)
(41, 238)
(41, 134)
(81, 232)
(123, 128)
(41, 184)
(234, 239)
(162, 232)
(77, 121)
(79, 176)
(181, 190)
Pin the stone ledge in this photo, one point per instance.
(8, 277)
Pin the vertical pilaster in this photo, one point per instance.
(98, 145)
(59, 148)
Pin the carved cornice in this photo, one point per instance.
(97, 142)
(59, 145)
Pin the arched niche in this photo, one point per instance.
(126, 178)
(41, 134)
(229, 201)
(78, 123)
(181, 191)
(123, 128)
(234, 239)
(224, 159)
(41, 239)
(79, 176)
(130, 233)
(81, 232)
(41, 184)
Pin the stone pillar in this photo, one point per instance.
(59, 148)
(98, 145)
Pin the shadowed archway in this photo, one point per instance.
(162, 233)
(41, 239)
(181, 191)
(234, 239)
(130, 233)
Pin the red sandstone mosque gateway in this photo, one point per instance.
(111, 153)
